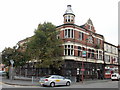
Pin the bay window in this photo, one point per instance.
(69, 33)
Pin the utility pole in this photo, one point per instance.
(82, 71)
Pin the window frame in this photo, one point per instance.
(69, 51)
(69, 33)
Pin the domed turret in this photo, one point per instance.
(69, 16)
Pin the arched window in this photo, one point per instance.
(79, 51)
(92, 54)
(69, 19)
(89, 53)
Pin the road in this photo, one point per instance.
(108, 84)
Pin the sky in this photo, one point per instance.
(19, 18)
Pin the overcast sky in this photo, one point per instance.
(19, 18)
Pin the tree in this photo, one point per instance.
(7, 56)
(20, 58)
(45, 47)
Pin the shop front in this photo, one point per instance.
(109, 69)
(82, 70)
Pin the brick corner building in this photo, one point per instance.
(83, 48)
(86, 54)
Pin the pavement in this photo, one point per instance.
(23, 81)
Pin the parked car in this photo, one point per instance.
(115, 76)
(54, 80)
(2, 73)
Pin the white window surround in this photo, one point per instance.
(90, 39)
(74, 30)
(81, 36)
(100, 55)
(110, 54)
(81, 31)
(78, 44)
(110, 49)
(98, 41)
(68, 34)
(69, 50)
(58, 36)
(90, 26)
(116, 51)
(69, 17)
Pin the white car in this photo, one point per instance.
(54, 80)
(2, 73)
(115, 76)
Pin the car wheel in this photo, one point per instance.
(52, 84)
(43, 85)
(68, 83)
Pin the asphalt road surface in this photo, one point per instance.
(108, 84)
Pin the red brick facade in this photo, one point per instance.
(78, 39)
(84, 41)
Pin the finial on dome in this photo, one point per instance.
(69, 10)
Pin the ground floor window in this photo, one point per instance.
(69, 68)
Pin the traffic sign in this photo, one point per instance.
(12, 62)
(84, 53)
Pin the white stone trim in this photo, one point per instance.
(99, 61)
(74, 29)
(110, 54)
(81, 31)
(82, 59)
(78, 44)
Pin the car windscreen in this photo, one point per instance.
(114, 75)
(47, 76)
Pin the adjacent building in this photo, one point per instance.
(110, 59)
(119, 59)
(21, 45)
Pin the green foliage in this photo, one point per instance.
(45, 47)
(19, 58)
(7, 56)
